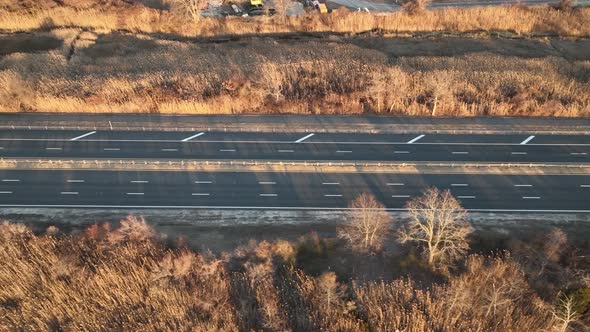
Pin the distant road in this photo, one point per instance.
(197, 190)
(102, 144)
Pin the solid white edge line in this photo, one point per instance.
(222, 207)
(304, 138)
(82, 136)
(527, 140)
(194, 136)
(415, 139)
(289, 142)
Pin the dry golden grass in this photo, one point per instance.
(124, 279)
(138, 18)
(130, 73)
(136, 59)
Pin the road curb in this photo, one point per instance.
(295, 166)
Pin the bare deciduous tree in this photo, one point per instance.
(438, 224)
(367, 225)
(565, 315)
(189, 8)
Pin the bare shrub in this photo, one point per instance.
(415, 7)
(134, 229)
(438, 226)
(367, 225)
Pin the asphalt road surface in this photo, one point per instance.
(294, 146)
(239, 190)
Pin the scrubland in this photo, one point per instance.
(130, 278)
(117, 57)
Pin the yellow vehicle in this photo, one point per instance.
(256, 3)
(322, 8)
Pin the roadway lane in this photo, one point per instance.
(294, 146)
(110, 189)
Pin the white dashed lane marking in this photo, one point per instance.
(11, 180)
(75, 181)
(395, 184)
(5, 192)
(200, 194)
(82, 136)
(69, 193)
(139, 181)
(415, 139)
(268, 195)
(191, 137)
(531, 197)
(527, 140)
(203, 182)
(400, 196)
(304, 138)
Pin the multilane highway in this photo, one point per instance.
(97, 144)
(241, 190)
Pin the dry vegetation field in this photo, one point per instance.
(129, 278)
(113, 56)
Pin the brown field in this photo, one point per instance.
(121, 58)
(129, 278)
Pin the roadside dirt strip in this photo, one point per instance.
(282, 166)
